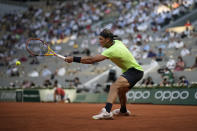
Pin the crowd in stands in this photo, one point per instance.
(137, 22)
(194, 66)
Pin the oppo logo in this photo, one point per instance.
(195, 95)
(135, 95)
(172, 95)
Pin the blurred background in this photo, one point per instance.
(161, 35)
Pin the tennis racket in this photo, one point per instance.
(37, 47)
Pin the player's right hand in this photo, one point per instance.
(69, 59)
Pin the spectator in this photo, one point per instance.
(188, 3)
(136, 51)
(146, 46)
(185, 51)
(86, 51)
(34, 73)
(12, 84)
(180, 65)
(171, 63)
(194, 66)
(27, 84)
(172, 44)
(53, 75)
(164, 82)
(188, 23)
(148, 82)
(46, 71)
(34, 60)
(111, 76)
(76, 81)
(77, 84)
(160, 55)
(151, 54)
(179, 44)
(14, 72)
(145, 54)
(111, 79)
(187, 33)
(175, 5)
(23, 59)
(168, 77)
(56, 84)
(47, 83)
(183, 81)
(195, 3)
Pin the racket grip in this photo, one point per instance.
(60, 56)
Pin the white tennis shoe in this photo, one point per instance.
(117, 112)
(103, 115)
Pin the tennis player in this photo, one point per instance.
(118, 53)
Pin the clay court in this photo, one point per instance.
(77, 117)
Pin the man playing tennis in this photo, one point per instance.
(118, 53)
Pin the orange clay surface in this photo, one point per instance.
(78, 117)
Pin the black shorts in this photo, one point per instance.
(62, 97)
(133, 76)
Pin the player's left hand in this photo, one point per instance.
(69, 59)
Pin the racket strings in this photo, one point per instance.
(37, 47)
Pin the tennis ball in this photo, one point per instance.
(18, 63)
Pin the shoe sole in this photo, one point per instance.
(103, 118)
(122, 115)
(133, 115)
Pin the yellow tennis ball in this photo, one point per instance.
(18, 63)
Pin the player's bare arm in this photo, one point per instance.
(87, 59)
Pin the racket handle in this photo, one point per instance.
(60, 56)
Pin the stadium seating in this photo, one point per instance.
(112, 17)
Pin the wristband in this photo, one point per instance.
(77, 59)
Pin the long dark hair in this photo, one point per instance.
(108, 34)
